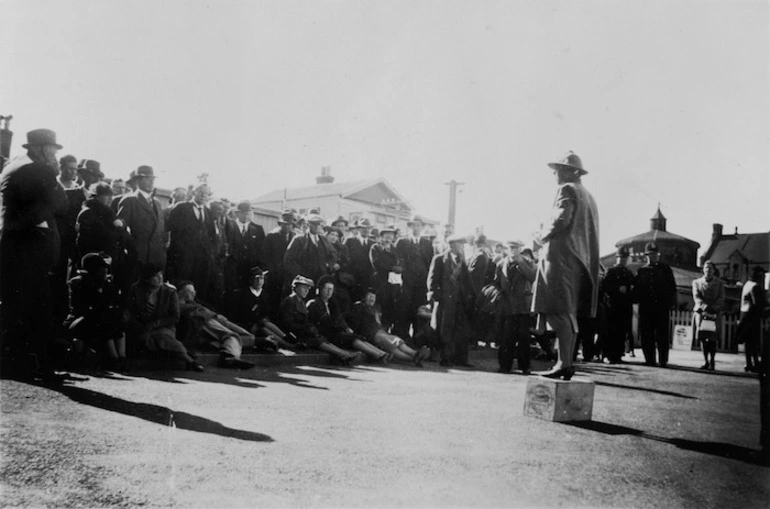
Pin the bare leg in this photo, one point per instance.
(369, 349)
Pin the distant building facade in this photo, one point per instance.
(736, 254)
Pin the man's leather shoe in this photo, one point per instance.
(233, 363)
(194, 366)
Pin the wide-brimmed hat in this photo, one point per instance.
(302, 280)
(287, 217)
(569, 161)
(374, 232)
(340, 219)
(651, 247)
(244, 206)
(361, 222)
(131, 177)
(415, 220)
(93, 261)
(456, 238)
(144, 171)
(257, 272)
(391, 228)
(38, 137)
(91, 166)
(314, 218)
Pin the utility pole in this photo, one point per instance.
(453, 185)
(6, 135)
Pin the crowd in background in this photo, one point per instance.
(101, 271)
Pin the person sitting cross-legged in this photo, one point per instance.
(95, 315)
(152, 314)
(324, 313)
(295, 320)
(201, 326)
(365, 321)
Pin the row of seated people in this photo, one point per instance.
(157, 319)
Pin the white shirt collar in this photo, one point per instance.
(147, 196)
(255, 292)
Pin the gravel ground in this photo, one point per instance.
(381, 437)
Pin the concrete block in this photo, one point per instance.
(559, 400)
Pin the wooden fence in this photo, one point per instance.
(726, 342)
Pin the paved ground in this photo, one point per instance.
(383, 437)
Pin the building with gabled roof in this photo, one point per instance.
(736, 254)
(374, 199)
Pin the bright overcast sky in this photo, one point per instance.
(664, 101)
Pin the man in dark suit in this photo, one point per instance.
(244, 247)
(310, 255)
(143, 216)
(29, 249)
(193, 235)
(359, 245)
(416, 252)
(451, 292)
(89, 173)
(273, 251)
(388, 279)
(478, 266)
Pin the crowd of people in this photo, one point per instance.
(91, 267)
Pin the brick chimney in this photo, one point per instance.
(716, 233)
(326, 176)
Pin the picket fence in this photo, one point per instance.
(727, 342)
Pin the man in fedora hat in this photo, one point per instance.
(416, 252)
(192, 240)
(273, 251)
(618, 284)
(29, 250)
(450, 293)
(655, 291)
(359, 245)
(342, 224)
(143, 215)
(388, 280)
(245, 243)
(567, 281)
(311, 254)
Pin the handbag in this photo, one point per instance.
(707, 325)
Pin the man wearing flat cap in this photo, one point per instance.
(310, 254)
(29, 250)
(450, 292)
(193, 237)
(514, 275)
(618, 284)
(245, 244)
(142, 214)
(567, 281)
(655, 291)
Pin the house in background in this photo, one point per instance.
(735, 255)
(374, 199)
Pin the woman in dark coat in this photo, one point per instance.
(324, 313)
(295, 320)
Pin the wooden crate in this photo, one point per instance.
(559, 400)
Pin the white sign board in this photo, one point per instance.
(682, 337)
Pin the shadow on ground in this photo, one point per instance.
(720, 449)
(149, 412)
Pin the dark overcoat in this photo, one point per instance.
(308, 259)
(144, 220)
(567, 280)
(451, 289)
(514, 278)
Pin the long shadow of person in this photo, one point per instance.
(155, 413)
(720, 449)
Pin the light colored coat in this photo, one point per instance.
(567, 280)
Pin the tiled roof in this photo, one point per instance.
(654, 235)
(316, 191)
(753, 246)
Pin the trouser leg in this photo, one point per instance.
(521, 334)
(647, 330)
(506, 339)
(662, 336)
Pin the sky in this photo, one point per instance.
(665, 102)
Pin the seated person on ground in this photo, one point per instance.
(365, 321)
(295, 320)
(324, 313)
(250, 308)
(151, 316)
(200, 326)
(95, 317)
